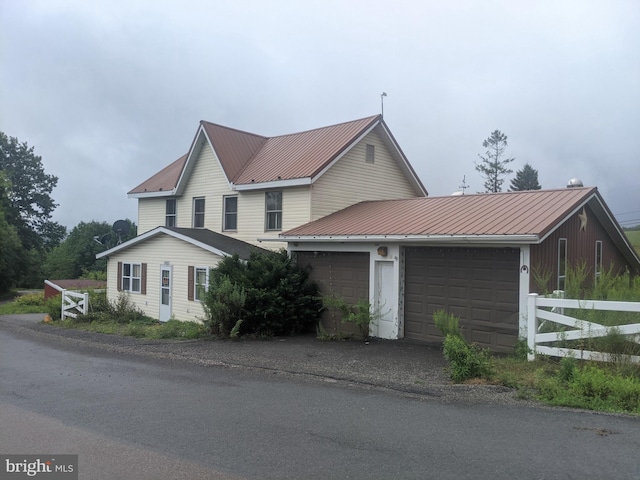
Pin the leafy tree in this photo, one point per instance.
(526, 179)
(10, 246)
(28, 196)
(493, 166)
(76, 255)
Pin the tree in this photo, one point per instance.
(494, 166)
(28, 203)
(76, 255)
(10, 246)
(526, 179)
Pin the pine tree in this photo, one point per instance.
(526, 179)
(493, 166)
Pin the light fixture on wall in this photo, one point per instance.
(382, 251)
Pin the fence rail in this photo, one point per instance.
(74, 303)
(580, 328)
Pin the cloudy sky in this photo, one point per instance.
(110, 91)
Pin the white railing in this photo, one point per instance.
(74, 303)
(580, 328)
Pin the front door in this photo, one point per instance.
(384, 303)
(165, 293)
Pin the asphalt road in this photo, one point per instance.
(134, 417)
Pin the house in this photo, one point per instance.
(477, 256)
(232, 190)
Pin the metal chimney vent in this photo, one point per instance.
(574, 183)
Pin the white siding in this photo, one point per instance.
(352, 179)
(154, 252)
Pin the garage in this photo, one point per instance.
(478, 285)
(345, 274)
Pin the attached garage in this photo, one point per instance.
(478, 285)
(345, 274)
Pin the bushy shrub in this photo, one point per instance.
(31, 299)
(280, 299)
(223, 305)
(122, 310)
(447, 323)
(360, 314)
(466, 360)
(53, 307)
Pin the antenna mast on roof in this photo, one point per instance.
(463, 186)
(382, 95)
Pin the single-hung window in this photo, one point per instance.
(562, 263)
(131, 277)
(198, 212)
(170, 213)
(598, 269)
(273, 219)
(230, 213)
(201, 282)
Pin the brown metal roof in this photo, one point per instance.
(165, 180)
(302, 155)
(248, 158)
(533, 212)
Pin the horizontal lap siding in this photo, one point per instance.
(345, 274)
(154, 252)
(352, 179)
(151, 213)
(480, 286)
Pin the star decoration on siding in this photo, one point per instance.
(583, 220)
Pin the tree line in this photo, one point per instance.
(32, 246)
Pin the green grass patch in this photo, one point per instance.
(634, 238)
(142, 328)
(29, 303)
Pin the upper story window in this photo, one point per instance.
(371, 153)
(131, 277)
(273, 216)
(201, 282)
(170, 213)
(562, 263)
(598, 265)
(230, 216)
(198, 212)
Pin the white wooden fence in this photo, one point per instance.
(580, 328)
(74, 303)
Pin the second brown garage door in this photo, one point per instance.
(478, 285)
(345, 274)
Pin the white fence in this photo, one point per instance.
(580, 328)
(74, 303)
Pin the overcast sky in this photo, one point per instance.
(111, 91)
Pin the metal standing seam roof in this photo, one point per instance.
(533, 212)
(247, 158)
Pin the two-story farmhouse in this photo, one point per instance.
(345, 201)
(233, 188)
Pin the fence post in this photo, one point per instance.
(62, 295)
(85, 306)
(532, 326)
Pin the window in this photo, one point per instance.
(201, 282)
(562, 263)
(198, 213)
(131, 277)
(371, 154)
(598, 265)
(230, 213)
(273, 220)
(170, 213)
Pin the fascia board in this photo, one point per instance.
(459, 239)
(296, 182)
(164, 193)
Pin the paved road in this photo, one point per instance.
(134, 417)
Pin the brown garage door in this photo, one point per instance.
(345, 274)
(478, 285)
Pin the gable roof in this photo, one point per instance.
(216, 243)
(514, 217)
(251, 161)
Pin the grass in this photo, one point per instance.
(17, 304)
(634, 238)
(144, 328)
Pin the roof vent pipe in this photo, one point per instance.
(575, 183)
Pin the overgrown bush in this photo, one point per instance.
(447, 323)
(360, 314)
(466, 360)
(280, 299)
(223, 304)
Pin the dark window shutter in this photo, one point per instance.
(190, 285)
(119, 276)
(143, 279)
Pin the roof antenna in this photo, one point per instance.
(463, 186)
(384, 94)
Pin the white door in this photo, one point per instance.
(385, 303)
(165, 293)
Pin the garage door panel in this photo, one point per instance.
(478, 285)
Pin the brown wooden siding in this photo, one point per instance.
(581, 246)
